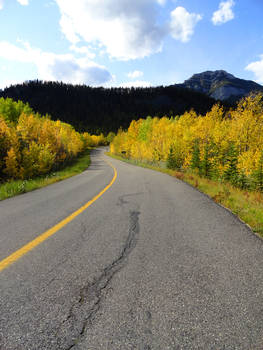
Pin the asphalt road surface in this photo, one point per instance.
(152, 264)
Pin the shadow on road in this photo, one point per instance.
(97, 162)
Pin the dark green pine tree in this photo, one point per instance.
(206, 165)
(231, 173)
(258, 175)
(195, 161)
(171, 161)
(243, 182)
(174, 160)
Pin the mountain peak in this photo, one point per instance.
(221, 85)
(213, 75)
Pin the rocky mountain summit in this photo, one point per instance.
(221, 85)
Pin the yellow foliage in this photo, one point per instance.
(7, 140)
(11, 164)
(151, 139)
(34, 145)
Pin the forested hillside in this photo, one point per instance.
(102, 110)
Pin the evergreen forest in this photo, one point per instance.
(101, 110)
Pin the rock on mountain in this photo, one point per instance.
(221, 85)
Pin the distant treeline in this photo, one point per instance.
(102, 110)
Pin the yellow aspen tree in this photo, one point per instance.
(11, 164)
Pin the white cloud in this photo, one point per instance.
(7, 82)
(257, 69)
(23, 2)
(57, 67)
(70, 70)
(83, 50)
(14, 53)
(1, 4)
(135, 74)
(182, 23)
(126, 29)
(123, 29)
(136, 83)
(224, 13)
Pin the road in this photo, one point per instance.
(152, 264)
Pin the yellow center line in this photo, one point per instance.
(31, 245)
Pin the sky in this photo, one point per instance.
(129, 42)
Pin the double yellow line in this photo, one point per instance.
(31, 245)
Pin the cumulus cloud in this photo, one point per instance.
(126, 29)
(224, 13)
(14, 53)
(136, 83)
(83, 50)
(57, 67)
(257, 68)
(183, 23)
(68, 69)
(135, 74)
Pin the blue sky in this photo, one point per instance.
(129, 42)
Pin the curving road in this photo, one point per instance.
(151, 265)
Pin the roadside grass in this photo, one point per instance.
(15, 187)
(247, 205)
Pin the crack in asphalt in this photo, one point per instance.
(83, 312)
(121, 201)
